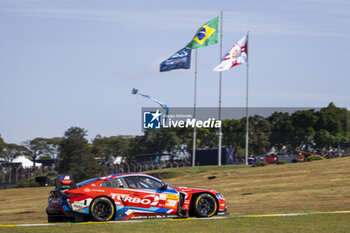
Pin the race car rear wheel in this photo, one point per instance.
(102, 209)
(204, 205)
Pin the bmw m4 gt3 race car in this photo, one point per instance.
(129, 196)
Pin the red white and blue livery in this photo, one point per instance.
(129, 196)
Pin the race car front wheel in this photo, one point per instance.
(102, 209)
(204, 205)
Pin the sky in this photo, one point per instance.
(70, 63)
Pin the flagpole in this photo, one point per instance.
(194, 110)
(220, 100)
(246, 110)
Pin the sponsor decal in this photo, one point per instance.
(171, 203)
(79, 205)
(76, 206)
(137, 200)
(98, 190)
(154, 217)
(65, 180)
(54, 201)
(118, 196)
(162, 197)
(147, 200)
(172, 196)
(155, 199)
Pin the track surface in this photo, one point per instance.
(185, 219)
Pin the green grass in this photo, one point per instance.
(290, 188)
(315, 223)
(169, 173)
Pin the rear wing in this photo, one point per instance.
(65, 181)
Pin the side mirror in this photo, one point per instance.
(164, 186)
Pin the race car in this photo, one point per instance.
(129, 196)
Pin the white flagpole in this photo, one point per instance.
(194, 111)
(246, 110)
(220, 100)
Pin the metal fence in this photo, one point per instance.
(134, 167)
(13, 173)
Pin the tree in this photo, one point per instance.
(330, 127)
(42, 148)
(162, 141)
(324, 139)
(207, 138)
(2, 146)
(158, 141)
(259, 134)
(282, 130)
(36, 148)
(233, 133)
(9, 152)
(52, 147)
(304, 132)
(114, 146)
(76, 156)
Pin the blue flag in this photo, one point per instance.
(180, 60)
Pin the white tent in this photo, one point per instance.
(26, 163)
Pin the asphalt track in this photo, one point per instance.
(185, 219)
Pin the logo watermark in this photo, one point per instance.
(152, 119)
(210, 123)
(156, 118)
(205, 117)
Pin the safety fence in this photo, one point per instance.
(10, 174)
(13, 173)
(133, 167)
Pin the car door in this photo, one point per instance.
(117, 189)
(126, 198)
(149, 196)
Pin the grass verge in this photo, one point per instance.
(315, 223)
(290, 188)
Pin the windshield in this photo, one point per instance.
(86, 182)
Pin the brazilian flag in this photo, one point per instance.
(206, 35)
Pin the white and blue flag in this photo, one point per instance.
(180, 60)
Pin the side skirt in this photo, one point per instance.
(156, 217)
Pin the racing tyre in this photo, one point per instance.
(204, 205)
(102, 209)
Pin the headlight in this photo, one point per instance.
(219, 196)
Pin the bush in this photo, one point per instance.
(32, 183)
(314, 157)
(27, 183)
(260, 164)
(281, 162)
